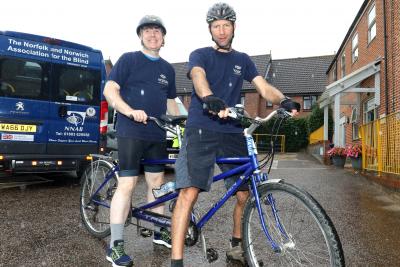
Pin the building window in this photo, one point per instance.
(309, 101)
(334, 73)
(354, 48)
(371, 24)
(343, 65)
(369, 110)
(354, 122)
(268, 104)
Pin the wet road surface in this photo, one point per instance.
(40, 224)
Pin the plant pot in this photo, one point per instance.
(356, 163)
(338, 161)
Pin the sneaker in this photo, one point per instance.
(162, 238)
(117, 256)
(236, 254)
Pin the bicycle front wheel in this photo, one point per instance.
(95, 207)
(300, 229)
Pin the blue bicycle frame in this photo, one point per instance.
(249, 168)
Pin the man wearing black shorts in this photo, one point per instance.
(217, 73)
(141, 84)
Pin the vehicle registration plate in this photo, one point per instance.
(7, 127)
(173, 156)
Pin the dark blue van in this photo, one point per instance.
(50, 103)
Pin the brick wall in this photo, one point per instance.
(368, 52)
(393, 27)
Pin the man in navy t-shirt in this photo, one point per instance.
(217, 73)
(141, 84)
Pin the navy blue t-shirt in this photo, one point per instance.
(225, 73)
(146, 85)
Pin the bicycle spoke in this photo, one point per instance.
(293, 224)
(95, 208)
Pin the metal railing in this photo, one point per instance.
(381, 144)
(263, 142)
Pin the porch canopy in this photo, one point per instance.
(348, 84)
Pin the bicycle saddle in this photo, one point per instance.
(174, 120)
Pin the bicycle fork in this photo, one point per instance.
(271, 202)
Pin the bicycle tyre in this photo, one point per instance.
(313, 237)
(96, 218)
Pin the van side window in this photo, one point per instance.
(22, 78)
(77, 85)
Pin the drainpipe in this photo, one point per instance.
(386, 59)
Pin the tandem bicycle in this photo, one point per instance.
(282, 225)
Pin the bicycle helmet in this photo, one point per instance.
(221, 11)
(149, 20)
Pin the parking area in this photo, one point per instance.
(41, 223)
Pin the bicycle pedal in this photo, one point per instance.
(212, 255)
(144, 232)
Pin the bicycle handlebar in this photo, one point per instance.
(236, 113)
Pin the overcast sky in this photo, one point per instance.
(286, 28)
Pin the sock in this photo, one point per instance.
(117, 233)
(176, 263)
(235, 241)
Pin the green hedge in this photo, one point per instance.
(297, 130)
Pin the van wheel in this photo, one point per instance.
(79, 173)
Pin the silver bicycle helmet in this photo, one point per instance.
(150, 20)
(221, 11)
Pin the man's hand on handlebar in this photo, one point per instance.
(215, 106)
(290, 106)
(138, 116)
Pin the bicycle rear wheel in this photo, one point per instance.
(297, 224)
(95, 209)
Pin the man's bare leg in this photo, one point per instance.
(180, 219)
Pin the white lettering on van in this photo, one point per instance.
(79, 60)
(14, 42)
(36, 46)
(76, 54)
(73, 128)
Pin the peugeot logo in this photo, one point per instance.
(19, 106)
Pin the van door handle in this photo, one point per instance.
(62, 111)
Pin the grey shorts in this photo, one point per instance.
(200, 148)
(131, 151)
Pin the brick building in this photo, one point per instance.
(364, 76)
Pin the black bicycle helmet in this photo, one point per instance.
(221, 11)
(149, 20)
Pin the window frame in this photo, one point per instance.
(354, 48)
(334, 73)
(343, 64)
(354, 123)
(312, 101)
(372, 23)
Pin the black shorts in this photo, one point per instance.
(131, 151)
(200, 148)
